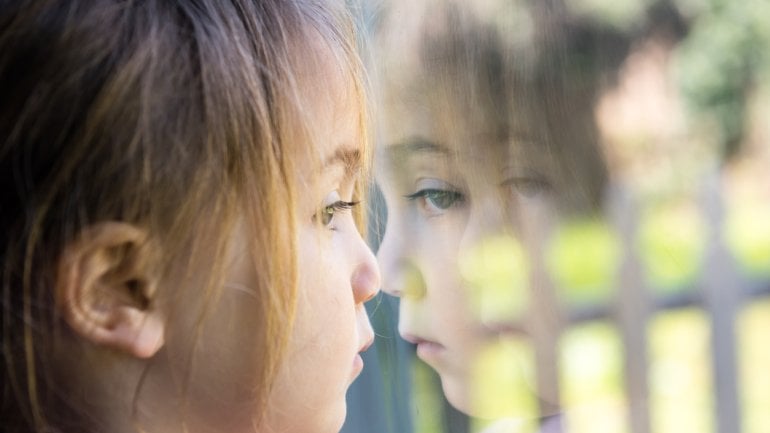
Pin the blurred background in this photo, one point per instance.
(660, 301)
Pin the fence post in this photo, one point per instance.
(632, 309)
(721, 289)
(545, 320)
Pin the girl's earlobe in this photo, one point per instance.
(106, 288)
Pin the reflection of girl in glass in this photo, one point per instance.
(178, 248)
(478, 113)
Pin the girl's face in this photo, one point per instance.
(458, 200)
(337, 273)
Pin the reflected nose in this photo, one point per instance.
(401, 278)
(387, 257)
(407, 282)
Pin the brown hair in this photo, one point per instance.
(153, 113)
(488, 64)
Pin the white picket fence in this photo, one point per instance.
(721, 291)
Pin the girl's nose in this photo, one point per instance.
(390, 257)
(402, 276)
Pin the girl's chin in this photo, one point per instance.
(456, 392)
(484, 407)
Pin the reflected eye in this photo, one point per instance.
(326, 215)
(434, 201)
(529, 187)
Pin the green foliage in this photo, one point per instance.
(583, 259)
(671, 244)
(427, 402)
(623, 15)
(503, 381)
(497, 271)
(727, 49)
(592, 379)
(754, 357)
(681, 390)
(747, 233)
(592, 360)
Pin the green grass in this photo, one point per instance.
(591, 379)
(681, 391)
(671, 242)
(428, 412)
(583, 259)
(747, 233)
(754, 364)
(497, 271)
(503, 381)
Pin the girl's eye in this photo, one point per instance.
(435, 201)
(529, 187)
(326, 214)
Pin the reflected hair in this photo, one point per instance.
(508, 68)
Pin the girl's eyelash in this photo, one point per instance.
(419, 194)
(440, 199)
(327, 213)
(429, 192)
(343, 205)
(529, 186)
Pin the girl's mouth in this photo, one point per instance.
(427, 350)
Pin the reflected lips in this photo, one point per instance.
(426, 350)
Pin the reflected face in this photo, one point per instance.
(452, 251)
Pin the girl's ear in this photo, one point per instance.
(105, 289)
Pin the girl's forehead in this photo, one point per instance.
(336, 115)
(449, 124)
(331, 103)
(325, 67)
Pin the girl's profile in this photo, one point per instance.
(180, 232)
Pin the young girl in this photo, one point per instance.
(485, 134)
(178, 247)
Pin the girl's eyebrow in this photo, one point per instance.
(348, 158)
(405, 149)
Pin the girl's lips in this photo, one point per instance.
(427, 350)
(358, 365)
(358, 362)
(430, 351)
